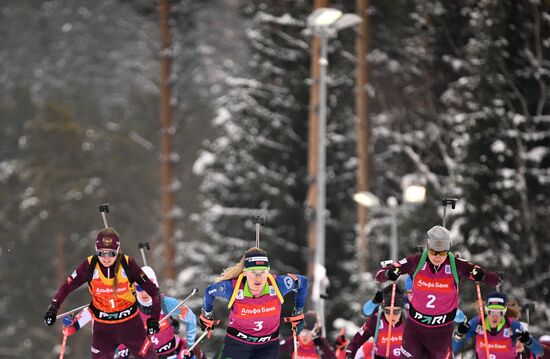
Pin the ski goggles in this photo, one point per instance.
(108, 254)
(437, 253)
(396, 311)
(492, 311)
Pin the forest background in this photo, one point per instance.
(458, 102)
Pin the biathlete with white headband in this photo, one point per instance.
(255, 301)
(110, 276)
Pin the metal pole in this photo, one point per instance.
(393, 240)
(320, 211)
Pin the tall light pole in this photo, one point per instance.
(411, 195)
(325, 22)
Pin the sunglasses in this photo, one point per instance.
(138, 288)
(437, 253)
(109, 254)
(396, 311)
(499, 312)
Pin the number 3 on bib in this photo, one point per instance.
(431, 301)
(259, 325)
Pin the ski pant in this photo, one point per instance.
(426, 342)
(131, 333)
(235, 349)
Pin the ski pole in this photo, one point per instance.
(294, 331)
(482, 317)
(142, 246)
(259, 221)
(445, 202)
(63, 344)
(203, 335)
(193, 292)
(104, 209)
(62, 315)
(392, 303)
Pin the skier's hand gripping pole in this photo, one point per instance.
(297, 322)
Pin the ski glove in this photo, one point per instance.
(50, 316)
(153, 326)
(70, 325)
(378, 297)
(477, 274)
(462, 328)
(525, 338)
(341, 341)
(296, 320)
(206, 320)
(393, 273)
(187, 354)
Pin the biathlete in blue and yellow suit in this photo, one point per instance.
(110, 276)
(255, 297)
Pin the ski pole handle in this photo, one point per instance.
(193, 292)
(104, 209)
(62, 315)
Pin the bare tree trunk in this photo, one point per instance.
(312, 145)
(363, 126)
(167, 195)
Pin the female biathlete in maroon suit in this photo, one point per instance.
(113, 306)
(255, 297)
(377, 326)
(434, 300)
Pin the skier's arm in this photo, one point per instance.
(366, 331)
(294, 282)
(527, 339)
(370, 307)
(222, 289)
(460, 341)
(325, 348)
(140, 278)
(184, 314)
(75, 280)
(464, 269)
(406, 265)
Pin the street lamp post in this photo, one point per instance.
(411, 195)
(324, 22)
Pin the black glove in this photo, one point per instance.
(525, 338)
(393, 273)
(378, 297)
(318, 341)
(296, 320)
(50, 316)
(153, 326)
(462, 328)
(341, 340)
(206, 320)
(477, 274)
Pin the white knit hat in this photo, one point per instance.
(439, 238)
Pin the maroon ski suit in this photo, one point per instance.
(428, 334)
(128, 330)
